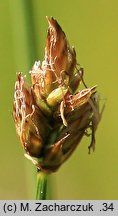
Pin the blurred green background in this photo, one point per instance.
(92, 27)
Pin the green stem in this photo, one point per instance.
(41, 186)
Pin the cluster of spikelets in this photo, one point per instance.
(52, 115)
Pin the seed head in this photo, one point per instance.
(52, 115)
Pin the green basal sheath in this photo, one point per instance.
(53, 114)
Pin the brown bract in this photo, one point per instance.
(52, 115)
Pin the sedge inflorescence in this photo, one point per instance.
(52, 115)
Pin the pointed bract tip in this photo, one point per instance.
(53, 23)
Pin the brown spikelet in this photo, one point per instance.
(52, 115)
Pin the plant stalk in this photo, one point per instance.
(41, 187)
